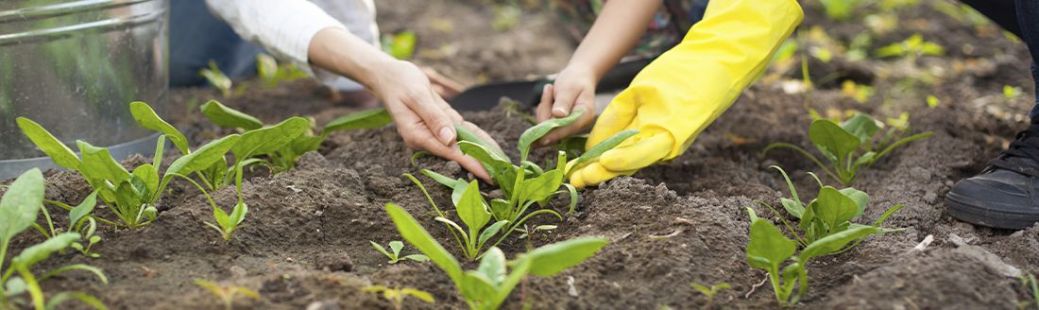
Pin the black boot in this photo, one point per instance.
(1006, 193)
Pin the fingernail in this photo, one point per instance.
(447, 135)
(559, 111)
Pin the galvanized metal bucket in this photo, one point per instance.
(74, 67)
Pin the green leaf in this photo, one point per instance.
(604, 146)
(381, 249)
(421, 295)
(270, 139)
(861, 126)
(465, 135)
(834, 208)
(540, 130)
(83, 210)
(147, 118)
(541, 187)
(98, 165)
(85, 298)
(832, 140)
(548, 260)
(887, 213)
(21, 204)
(793, 207)
(374, 118)
(203, 157)
(768, 247)
(478, 289)
(148, 175)
(457, 186)
(493, 162)
(396, 246)
(46, 142)
(417, 257)
(492, 230)
(36, 253)
(413, 233)
(226, 117)
(520, 268)
(400, 45)
(835, 242)
(492, 265)
(860, 198)
(472, 209)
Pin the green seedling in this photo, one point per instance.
(131, 195)
(524, 184)
(471, 209)
(1011, 92)
(855, 143)
(217, 78)
(400, 45)
(19, 208)
(825, 227)
(290, 146)
(840, 10)
(490, 284)
(914, 46)
(710, 291)
(80, 220)
(272, 74)
(226, 293)
(396, 295)
(394, 253)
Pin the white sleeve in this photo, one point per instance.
(283, 27)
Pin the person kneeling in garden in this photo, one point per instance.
(306, 34)
(689, 86)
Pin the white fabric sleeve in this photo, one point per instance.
(284, 28)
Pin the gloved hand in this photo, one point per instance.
(674, 98)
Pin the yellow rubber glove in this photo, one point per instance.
(676, 96)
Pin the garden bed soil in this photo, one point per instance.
(305, 241)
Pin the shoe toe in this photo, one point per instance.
(1001, 198)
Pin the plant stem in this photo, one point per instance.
(804, 153)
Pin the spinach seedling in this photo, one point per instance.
(131, 196)
(217, 78)
(226, 293)
(710, 291)
(490, 284)
(19, 208)
(471, 209)
(394, 253)
(851, 145)
(396, 295)
(282, 156)
(825, 228)
(80, 220)
(272, 74)
(524, 184)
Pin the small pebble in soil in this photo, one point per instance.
(237, 271)
(930, 197)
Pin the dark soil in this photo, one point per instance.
(305, 242)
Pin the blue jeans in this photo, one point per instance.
(196, 37)
(1020, 17)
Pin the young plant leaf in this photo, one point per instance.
(226, 117)
(540, 130)
(464, 134)
(46, 142)
(20, 205)
(832, 140)
(861, 126)
(551, 259)
(270, 139)
(835, 242)
(472, 209)
(147, 118)
(833, 208)
(413, 233)
(84, 209)
(603, 146)
(203, 157)
(373, 118)
(38, 252)
(768, 247)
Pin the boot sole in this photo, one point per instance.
(974, 212)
